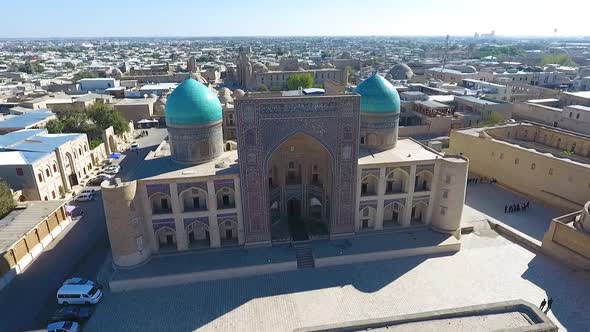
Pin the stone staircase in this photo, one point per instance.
(304, 254)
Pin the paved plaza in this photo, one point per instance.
(489, 268)
(487, 201)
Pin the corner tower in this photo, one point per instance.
(380, 107)
(193, 117)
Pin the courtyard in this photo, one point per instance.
(489, 268)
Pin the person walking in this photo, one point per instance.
(505, 208)
(543, 304)
(549, 303)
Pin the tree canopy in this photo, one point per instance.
(84, 74)
(297, 81)
(29, 68)
(91, 121)
(560, 59)
(6, 200)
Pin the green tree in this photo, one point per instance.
(349, 70)
(263, 88)
(94, 143)
(55, 126)
(560, 59)
(297, 81)
(105, 116)
(76, 120)
(84, 74)
(7, 202)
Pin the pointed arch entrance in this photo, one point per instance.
(300, 183)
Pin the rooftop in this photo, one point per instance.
(581, 94)
(27, 119)
(406, 150)
(476, 100)
(20, 221)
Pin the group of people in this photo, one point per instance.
(143, 133)
(546, 302)
(477, 180)
(516, 207)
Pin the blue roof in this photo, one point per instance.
(29, 145)
(28, 119)
(192, 103)
(44, 143)
(378, 95)
(12, 138)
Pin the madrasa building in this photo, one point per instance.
(306, 167)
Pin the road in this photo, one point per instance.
(80, 250)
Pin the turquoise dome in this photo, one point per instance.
(192, 103)
(378, 95)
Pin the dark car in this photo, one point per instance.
(95, 181)
(71, 313)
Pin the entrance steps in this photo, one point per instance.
(304, 254)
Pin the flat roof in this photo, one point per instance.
(483, 82)
(159, 165)
(135, 101)
(476, 100)
(27, 119)
(579, 108)
(20, 221)
(581, 94)
(406, 150)
(432, 104)
(159, 86)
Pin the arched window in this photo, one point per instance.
(194, 199)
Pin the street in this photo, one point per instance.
(80, 250)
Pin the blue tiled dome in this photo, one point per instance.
(378, 95)
(192, 103)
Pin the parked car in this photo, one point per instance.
(114, 169)
(82, 281)
(96, 181)
(134, 146)
(65, 326)
(71, 313)
(105, 176)
(78, 294)
(84, 197)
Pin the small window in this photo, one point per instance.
(54, 167)
(449, 179)
(40, 177)
(501, 156)
(533, 166)
(48, 172)
(578, 116)
(53, 194)
(19, 171)
(551, 171)
(291, 164)
(366, 212)
(516, 161)
(362, 139)
(443, 210)
(445, 194)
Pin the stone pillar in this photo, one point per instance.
(407, 219)
(380, 193)
(357, 221)
(62, 170)
(181, 236)
(214, 236)
(434, 189)
(238, 198)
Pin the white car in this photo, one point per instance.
(84, 197)
(63, 327)
(134, 146)
(114, 169)
(82, 281)
(105, 176)
(78, 294)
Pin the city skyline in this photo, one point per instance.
(179, 18)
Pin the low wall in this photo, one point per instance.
(538, 320)
(568, 245)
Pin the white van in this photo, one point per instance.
(78, 294)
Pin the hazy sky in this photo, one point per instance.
(98, 18)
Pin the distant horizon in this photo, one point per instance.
(68, 19)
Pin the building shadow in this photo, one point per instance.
(30, 299)
(569, 289)
(200, 304)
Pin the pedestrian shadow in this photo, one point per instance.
(567, 287)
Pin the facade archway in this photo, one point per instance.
(419, 213)
(397, 181)
(198, 235)
(393, 214)
(166, 238)
(298, 169)
(71, 170)
(193, 199)
(160, 203)
(368, 218)
(369, 185)
(226, 198)
(228, 232)
(423, 181)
